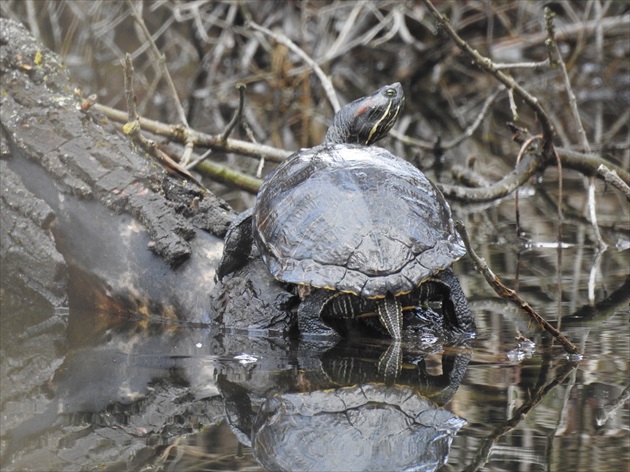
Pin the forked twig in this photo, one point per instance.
(132, 128)
(161, 61)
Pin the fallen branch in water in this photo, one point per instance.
(508, 294)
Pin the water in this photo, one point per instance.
(86, 390)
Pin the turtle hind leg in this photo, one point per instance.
(455, 309)
(390, 313)
(309, 315)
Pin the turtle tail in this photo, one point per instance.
(390, 313)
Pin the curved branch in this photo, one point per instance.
(531, 164)
(526, 168)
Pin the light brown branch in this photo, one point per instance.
(179, 134)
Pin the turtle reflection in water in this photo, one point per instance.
(363, 230)
(365, 426)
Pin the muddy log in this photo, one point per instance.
(80, 205)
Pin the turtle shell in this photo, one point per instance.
(355, 219)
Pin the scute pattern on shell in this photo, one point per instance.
(356, 219)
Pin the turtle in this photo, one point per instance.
(361, 231)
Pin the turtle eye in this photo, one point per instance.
(390, 92)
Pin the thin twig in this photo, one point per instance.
(513, 108)
(132, 128)
(161, 61)
(239, 112)
(522, 65)
(575, 112)
(509, 294)
(524, 147)
(323, 78)
(194, 163)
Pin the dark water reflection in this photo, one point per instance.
(84, 390)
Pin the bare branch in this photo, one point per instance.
(487, 65)
(179, 134)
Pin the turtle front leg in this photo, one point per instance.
(454, 303)
(237, 245)
(391, 315)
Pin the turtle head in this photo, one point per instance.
(367, 119)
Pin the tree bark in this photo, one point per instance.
(78, 199)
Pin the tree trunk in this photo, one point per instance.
(80, 205)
